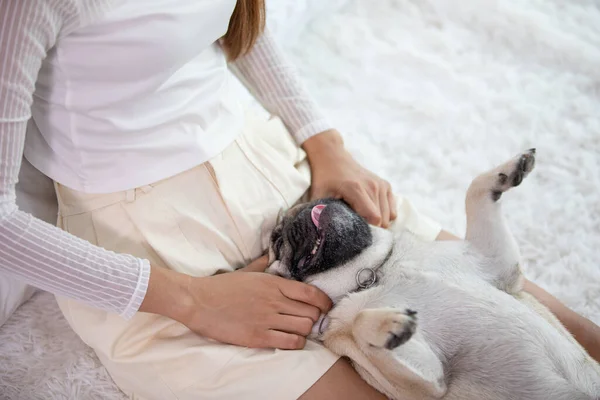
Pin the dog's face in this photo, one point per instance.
(315, 237)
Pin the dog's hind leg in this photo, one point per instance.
(487, 229)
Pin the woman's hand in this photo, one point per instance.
(336, 174)
(258, 265)
(251, 309)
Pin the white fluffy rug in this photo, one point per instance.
(428, 93)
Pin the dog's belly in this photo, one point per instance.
(481, 334)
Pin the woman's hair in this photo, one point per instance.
(245, 26)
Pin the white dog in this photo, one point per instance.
(477, 336)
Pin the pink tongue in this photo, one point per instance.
(316, 213)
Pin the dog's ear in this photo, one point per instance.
(293, 211)
(280, 216)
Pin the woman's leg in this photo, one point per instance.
(342, 382)
(583, 330)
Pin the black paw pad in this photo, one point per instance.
(396, 340)
(410, 312)
(502, 178)
(527, 161)
(518, 177)
(522, 166)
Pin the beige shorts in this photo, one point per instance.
(215, 217)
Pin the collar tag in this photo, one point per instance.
(365, 278)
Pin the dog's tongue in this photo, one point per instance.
(316, 213)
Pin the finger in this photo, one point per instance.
(282, 340)
(384, 207)
(306, 294)
(299, 309)
(393, 205)
(360, 201)
(258, 265)
(374, 195)
(291, 324)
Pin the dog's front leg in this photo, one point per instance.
(487, 230)
(385, 348)
(384, 328)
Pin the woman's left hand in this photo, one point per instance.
(336, 174)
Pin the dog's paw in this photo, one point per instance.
(506, 176)
(385, 328)
(512, 173)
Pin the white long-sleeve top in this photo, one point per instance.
(78, 71)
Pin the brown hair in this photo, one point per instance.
(245, 26)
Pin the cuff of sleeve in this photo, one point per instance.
(311, 129)
(140, 291)
(429, 229)
(408, 217)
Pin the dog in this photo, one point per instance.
(432, 320)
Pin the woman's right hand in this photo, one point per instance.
(251, 309)
(255, 309)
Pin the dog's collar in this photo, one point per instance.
(366, 278)
(369, 281)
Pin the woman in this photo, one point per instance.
(169, 183)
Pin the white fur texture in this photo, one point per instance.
(453, 88)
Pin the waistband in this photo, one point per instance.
(72, 202)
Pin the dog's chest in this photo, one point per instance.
(453, 301)
(451, 263)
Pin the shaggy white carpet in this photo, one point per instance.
(429, 93)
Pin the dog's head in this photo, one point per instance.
(314, 237)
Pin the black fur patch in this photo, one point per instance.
(502, 178)
(343, 235)
(396, 340)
